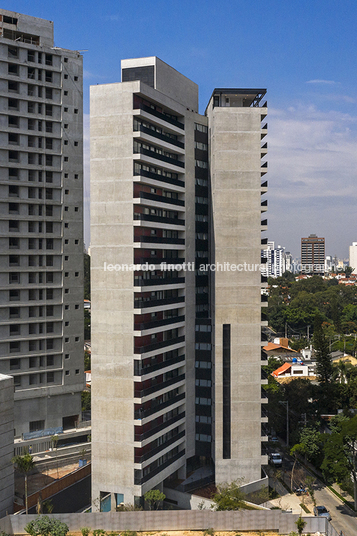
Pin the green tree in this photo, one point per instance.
(341, 453)
(310, 438)
(300, 525)
(154, 497)
(86, 400)
(45, 526)
(24, 464)
(229, 496)
(324, 369)
(297, 449)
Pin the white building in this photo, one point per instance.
(275, 265)
(353, 257)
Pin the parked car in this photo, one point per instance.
(321, 511)
(276, 459)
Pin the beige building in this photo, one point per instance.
(176, 283)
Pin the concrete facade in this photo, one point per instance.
(153, 367)
(41, 220)
(6, 444)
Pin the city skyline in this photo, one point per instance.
(302, 54)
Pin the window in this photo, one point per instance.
(49, 59)
(66, 225)
(14, 225)
(17, 381)
(65, 93)
(14, 347)
(66, 77)
(13, 174)
(66, 158)
(76, 110)
(49, 277)
(12, 52)
(76, 339)
(76, 78)
(76, 274)
(13, 139)
(13, 69)
(67, 372)
(49, 109)
(14, 260)
(14, 312)
(66, 142)
(49, 227)
(66, 324)
(14, 278)
(36, 426)
(50, 377)
(15, 364)
(65, 109)
(49, 294)
(77, 371)
(33, 362)
(49, 310)
(66, 356)
(66, 175)
(76, 306)
(31, 55)
(14, 156)
(13, 104)
(76, 176)
(65, 125)
(65, 60)
(14, 243)
(13, 87)
(14, 329)
(76, 143)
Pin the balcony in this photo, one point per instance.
(156, 450)
(142, 479)
(157, 345)
(161, 199)
(159, 156)
(158, 387)
(144, 304)
(159, 260)
(160, 177)
(159, 240)
(153, 282)
(160, 115)
(158, 323)
(140, 370)
(159, 428)
(160, 136)
(142, 414)
(158, 219)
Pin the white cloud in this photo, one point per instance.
(327, 82)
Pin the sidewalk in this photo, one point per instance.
(291, 503)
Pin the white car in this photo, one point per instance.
(276, 459)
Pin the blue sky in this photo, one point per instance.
(304, 53)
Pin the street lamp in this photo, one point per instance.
(286, 402)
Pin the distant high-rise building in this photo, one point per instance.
(176, 370)
(313, 254)
(353, 257)
(41, 220)
(275, 264)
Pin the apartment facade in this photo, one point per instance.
(313, 254)
(173, 192)
(41, 219)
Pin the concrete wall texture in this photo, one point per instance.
(6, 444)
(178, 520)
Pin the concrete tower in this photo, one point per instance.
(41, 218)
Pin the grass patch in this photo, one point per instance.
(342, 498)
(305, 508)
